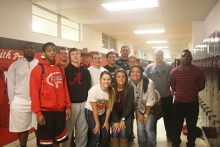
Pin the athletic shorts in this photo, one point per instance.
(21, 117)
(54, 131)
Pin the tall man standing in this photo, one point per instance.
(159, 72)
(63, 54)
(123, 60)
(186, 80)
(78, 83)
(21, 118)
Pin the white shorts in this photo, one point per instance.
(21, 117)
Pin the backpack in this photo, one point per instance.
(43, 70)
(198, 132)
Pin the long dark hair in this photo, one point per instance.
(111, 91)
(145, 79)
(125, 85)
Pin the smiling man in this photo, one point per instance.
(96, 69)
(111, 60)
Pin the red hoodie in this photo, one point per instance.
(51, 93)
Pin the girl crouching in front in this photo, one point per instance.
(97, 110)
(121, 116)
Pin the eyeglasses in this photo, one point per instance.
(63, 53)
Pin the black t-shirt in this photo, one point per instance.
(123, 63)
(112, 69)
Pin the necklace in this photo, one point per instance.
(120, 93)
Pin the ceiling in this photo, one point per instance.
(175, 16)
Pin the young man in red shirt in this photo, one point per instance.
(50, 99)
(187, 81)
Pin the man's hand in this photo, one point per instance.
(41, 120)
(67, 114)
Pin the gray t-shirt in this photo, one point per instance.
(159, 75)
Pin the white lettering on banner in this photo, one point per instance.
(4, 54)
(17, 55)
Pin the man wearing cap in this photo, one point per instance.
(85, 54)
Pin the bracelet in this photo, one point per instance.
(145, 115)
(122, 119)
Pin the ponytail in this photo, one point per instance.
(111, 99)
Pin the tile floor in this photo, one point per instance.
(161, 139)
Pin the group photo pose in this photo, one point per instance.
(98, 107)
(145, 98)
(121, 115)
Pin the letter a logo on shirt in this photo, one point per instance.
(77, 78)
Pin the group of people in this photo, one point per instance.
(74, 99)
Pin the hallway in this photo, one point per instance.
(161, 139)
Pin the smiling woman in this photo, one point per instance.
(145, 98)
(97, 110)
(122, 113)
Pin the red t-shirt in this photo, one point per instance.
(187, 83)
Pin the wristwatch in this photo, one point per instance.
(145, 115)
(122, 119)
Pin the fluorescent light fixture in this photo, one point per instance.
(149, 31)
(159, 41)
(126, 5)
(159, 47)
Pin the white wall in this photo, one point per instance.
(212, 21)
(202, 29)
(198, 33)
(16, 23)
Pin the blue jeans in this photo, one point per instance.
(146, 132)
(122, 134)
(101, 138)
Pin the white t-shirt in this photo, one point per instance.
(95, 74)
(96, 94)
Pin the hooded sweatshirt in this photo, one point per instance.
(78, 82)
(48, 91)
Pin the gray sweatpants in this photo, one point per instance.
(78, 122)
